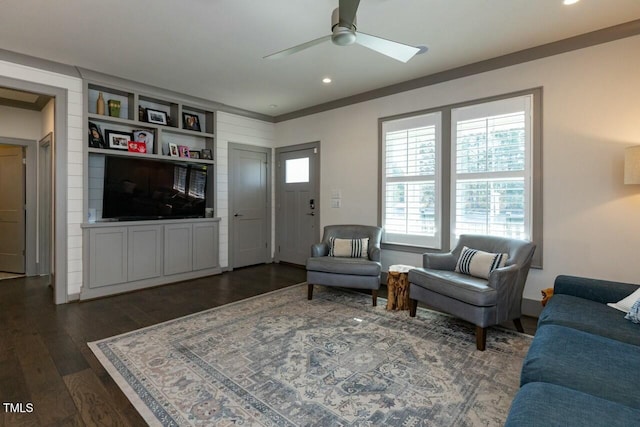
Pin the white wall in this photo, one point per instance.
(75, 139)
(240, 130)
(20, 123)
(591, 111)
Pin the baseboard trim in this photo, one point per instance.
(73, 297)
(531, 307)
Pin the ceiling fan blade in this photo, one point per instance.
(347, 10)
(398, 51)
(297, 48)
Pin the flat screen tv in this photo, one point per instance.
(139, 189)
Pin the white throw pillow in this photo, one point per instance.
(478, 263)
(349, 248)
(626, 303)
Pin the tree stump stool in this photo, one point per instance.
(398, 287)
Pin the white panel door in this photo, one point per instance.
(12, 202)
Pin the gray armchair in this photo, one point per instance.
(479, 301)
(359, 273)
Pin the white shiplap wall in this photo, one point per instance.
(240, 130)
(73, 86)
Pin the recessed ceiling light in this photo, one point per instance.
(326, 80)
(568, 2)
(273, 106)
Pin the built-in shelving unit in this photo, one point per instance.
(120, 256)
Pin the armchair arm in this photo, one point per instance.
(374, 254)
(602, 291)
(508, 292)
(319, 249)
(437, 261)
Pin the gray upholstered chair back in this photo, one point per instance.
(351, 231)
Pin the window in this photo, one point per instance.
(297, 170)
(491, 173)
(411, 180)
(468, 168)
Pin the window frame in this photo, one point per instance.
(446, 170)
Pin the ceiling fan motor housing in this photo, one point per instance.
(344, 33)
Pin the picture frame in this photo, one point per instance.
(206, 154)
(190, 121)
(146, 136)
(194, 154)
(173, 150)
(137, 147)
(156, 117)
(183, 150)
(118, 140)
(95, 136)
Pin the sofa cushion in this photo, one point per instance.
(349, 248)
(356, 266)
(479, 263)
(550, 405)
(634, 313)
(625, 304)
(585, 362)
(468, 289)
(589, 316)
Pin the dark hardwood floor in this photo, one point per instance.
(45, 361)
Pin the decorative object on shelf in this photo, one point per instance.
(190, 122)
(118, 140)
(95, 136)
(142, 114)
(173, 150)
(208, 212)
(137, 147)
(100, 104)
(157, 117)
(194, 154)
(183, 150)
(146, 137)
(206, 154)
(114, 108)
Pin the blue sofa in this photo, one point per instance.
(583, 366)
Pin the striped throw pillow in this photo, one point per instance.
(349, 248)
(478, 263)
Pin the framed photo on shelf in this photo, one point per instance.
(173, 150)
(194, 154)
(157, 117)
(95, 136)
(118, 140)
(190, 121)
(183, 150)
(206, 154)
(146, 137)
(137, 147)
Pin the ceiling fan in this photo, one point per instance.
(343, 28)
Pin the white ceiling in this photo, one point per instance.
(213, 49)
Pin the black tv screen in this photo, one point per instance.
(138, 189)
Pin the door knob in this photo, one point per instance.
(312, 214)
(238, 214)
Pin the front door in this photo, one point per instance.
(12, 202)
(249, 202)
(297, 210)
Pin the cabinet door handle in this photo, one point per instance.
(312, 214)
(238, 214)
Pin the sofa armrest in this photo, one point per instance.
(502, 277)
(602, 291)
(438, 261)
(319, 249)
(374, 254)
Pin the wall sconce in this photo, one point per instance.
(632, 165)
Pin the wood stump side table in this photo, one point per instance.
(398, 287)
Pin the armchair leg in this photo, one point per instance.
(413, 307)
(309, 291)
(518, 325)
(481, 338)
(374, 296)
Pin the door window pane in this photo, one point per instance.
(297, 170)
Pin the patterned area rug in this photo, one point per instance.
(279, 359)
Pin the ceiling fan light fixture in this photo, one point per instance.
(343, 36)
